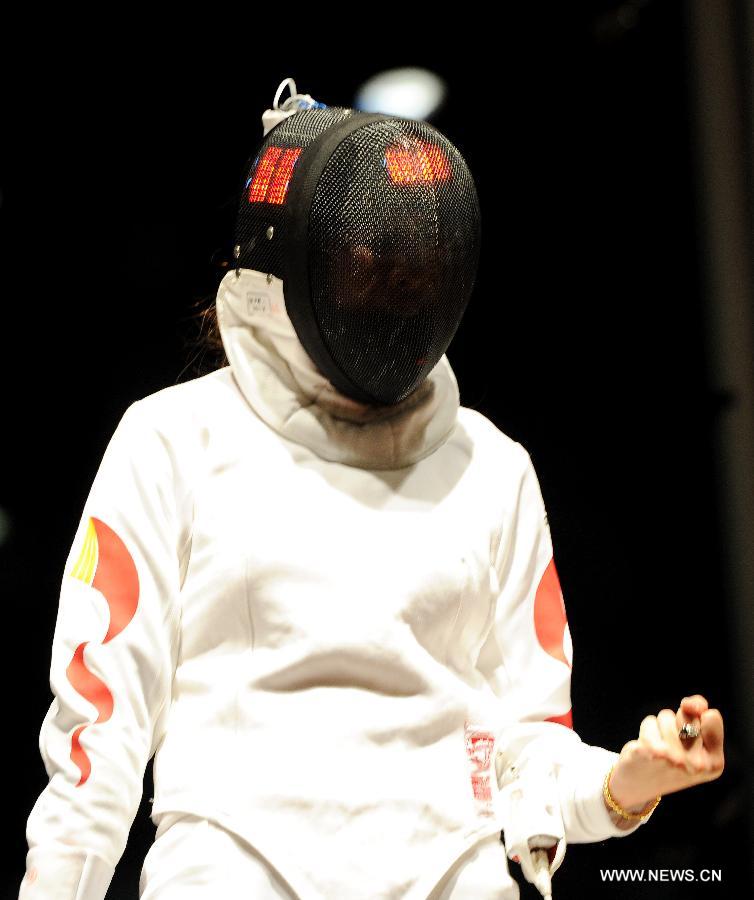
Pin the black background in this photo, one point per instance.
(584, 340)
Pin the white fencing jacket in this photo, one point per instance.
(325, 621)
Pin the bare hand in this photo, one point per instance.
(659, 762)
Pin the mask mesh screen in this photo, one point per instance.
(393, 248)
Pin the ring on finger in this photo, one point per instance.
(688, 731)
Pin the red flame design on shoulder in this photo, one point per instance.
(550, 623)
(105, 564)
(566, 719)
(550, 615)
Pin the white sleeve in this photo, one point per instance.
(114, 654)
(527, 661)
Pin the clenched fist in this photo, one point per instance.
(660, 762)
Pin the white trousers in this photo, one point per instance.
(196, 859)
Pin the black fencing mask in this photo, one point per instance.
(372, 223)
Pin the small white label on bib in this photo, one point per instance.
(257, 302)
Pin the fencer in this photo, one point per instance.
(316, 588)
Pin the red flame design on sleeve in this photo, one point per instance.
(106, 565)
(115, 578)
(79, 757)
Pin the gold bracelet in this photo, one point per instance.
(619, 809)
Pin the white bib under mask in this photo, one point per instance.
(287, 391)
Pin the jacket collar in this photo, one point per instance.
(286, 390)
